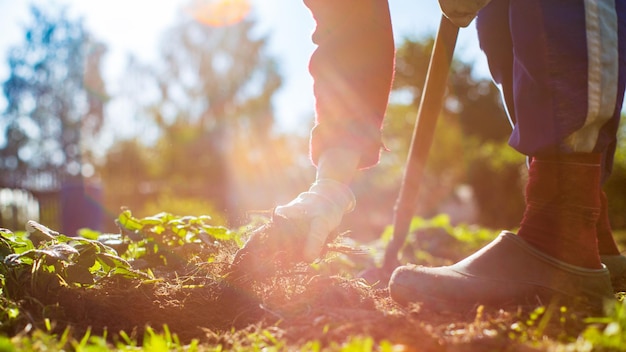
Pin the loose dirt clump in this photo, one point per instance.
(334, 308)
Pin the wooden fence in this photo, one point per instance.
(66, 209)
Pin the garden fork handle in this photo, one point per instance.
(429, 110)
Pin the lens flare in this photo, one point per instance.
(218, 12)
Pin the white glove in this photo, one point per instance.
(462, 12)
(323, 207)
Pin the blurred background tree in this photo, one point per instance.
(55, 106)
(205, 139)
(55, 96)
(216, 147)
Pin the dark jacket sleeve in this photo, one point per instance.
(352, 68)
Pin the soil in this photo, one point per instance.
(297, 304)
(298, 308)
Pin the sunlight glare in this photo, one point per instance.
(218, 12)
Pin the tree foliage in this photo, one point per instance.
(212, 91)
(55, 98)
(216, 77)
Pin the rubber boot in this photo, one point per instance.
(553, 259)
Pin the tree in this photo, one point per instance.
(55, 97)
(213, 90)
(475, 103)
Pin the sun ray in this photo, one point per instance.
(218, 12)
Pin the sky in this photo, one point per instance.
(134, 27)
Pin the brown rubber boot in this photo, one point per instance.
(554, 258)
(616, 264)
(508, 272)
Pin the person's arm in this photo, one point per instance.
(326, 201)
(338, 164)
(352, 70)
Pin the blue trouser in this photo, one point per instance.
(560, 65)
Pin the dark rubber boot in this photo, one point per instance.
(507, 272)
(554, 259)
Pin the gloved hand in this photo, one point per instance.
(323, 206)
(326, 201)
(461, 12)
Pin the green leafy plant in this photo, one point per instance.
(167, 239)
(41, 257)
(607, 333)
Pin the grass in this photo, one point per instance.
(162, 284)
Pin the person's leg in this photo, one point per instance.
(569, 128)
(563, 95)
(563, 207)
(352, 69)
(496, 42)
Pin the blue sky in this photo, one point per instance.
(134, 26)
